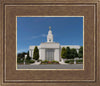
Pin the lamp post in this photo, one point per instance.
(25, 58)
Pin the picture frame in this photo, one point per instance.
(9, 9)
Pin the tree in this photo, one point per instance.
(73, 53)
(68, 53)
(80, 54)
(63, 53)
(20, 60)
(36, 53)
(28, 57)
(21, 55)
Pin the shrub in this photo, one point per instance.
(71, 61)
(29, 61)
(39, 60)
(20, 60)
(67, 61)
(49, 62)
(54, 62)
(32, 61)
(79, 61)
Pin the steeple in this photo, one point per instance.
(50, 35)
(49, 27)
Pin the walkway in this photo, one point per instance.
(51, 66)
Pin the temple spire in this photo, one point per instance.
(49, 27)
(50, 35)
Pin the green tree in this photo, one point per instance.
(36, 53)
(80, 54)
(28, 57)
(20, 60)
(21, 55)
(68, 53)
(63, 53)
(73, 53)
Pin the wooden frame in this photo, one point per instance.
(9, 9)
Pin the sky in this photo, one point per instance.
(34, 30)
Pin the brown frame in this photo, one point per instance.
(90, 76)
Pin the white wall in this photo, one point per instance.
(42, 54)
(56, 55)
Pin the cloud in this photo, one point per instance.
(42, 35)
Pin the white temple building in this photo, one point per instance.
(50, 50)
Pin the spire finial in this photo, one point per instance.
(49, 27)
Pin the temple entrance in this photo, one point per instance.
(49, 54)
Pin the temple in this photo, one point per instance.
(50, 50)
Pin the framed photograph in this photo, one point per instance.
(49, 43)
(49, 54)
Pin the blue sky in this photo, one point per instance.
(34, 30)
